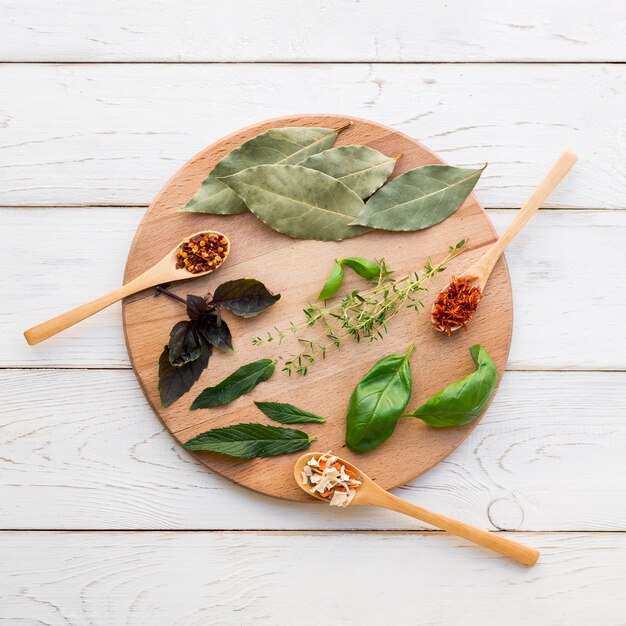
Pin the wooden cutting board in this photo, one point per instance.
(296, 269)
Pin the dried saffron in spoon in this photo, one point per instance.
(456, 304)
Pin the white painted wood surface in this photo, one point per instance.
(416, 579)
(99, 103)
(550, 442)
(112, 134)
(548, 261)
(312, 30)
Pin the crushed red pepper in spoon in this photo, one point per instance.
(202, 253)
(456, 304)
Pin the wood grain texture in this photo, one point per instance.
(256, 578)
(111, 134)
(312, 30)
(296, 269)
(548, 313)
(549, 441)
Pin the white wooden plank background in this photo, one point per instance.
(113, 133)
(182, 579)
(312, 30)
(100, 102)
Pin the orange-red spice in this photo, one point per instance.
(456, 304)
(202, 253)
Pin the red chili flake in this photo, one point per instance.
(456, 304)
(202, 253)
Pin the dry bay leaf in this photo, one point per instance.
(419, 198)
(299, 201)
(360, 168)
(277, 145)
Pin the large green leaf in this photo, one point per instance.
(299, 201)
(277, 145)
(247, 441)
(240, 382)
(361, 168)
(419, 198)
(378, 401)
(463, 401)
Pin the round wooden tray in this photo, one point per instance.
(296, 269)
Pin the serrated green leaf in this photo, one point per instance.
(360, 168)
(299, 201)
(378, 401)
(463, 401)
(277, 145)
(419, 198)
(248, 441)
(240, 382)
(288, 413)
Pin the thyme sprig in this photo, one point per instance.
(358, 315)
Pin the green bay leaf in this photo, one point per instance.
(299, 201)
(277, 145)
(360, 168)
(419, 198)
(247, 441)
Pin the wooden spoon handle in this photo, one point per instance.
(512, 549)
(562, 166)
(47, 329)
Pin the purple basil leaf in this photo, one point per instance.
(215, 331)
(176, 381)
(245, 297)
(196, 307)
(184, 345)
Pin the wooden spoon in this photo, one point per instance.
(369, 493)
(164, 271)
(483, 267)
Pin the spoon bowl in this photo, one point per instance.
(163, 271)
(369, 493)
(483, 267)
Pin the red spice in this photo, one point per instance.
(456, 304)
(202, 253)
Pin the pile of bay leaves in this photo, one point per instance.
(294, 181)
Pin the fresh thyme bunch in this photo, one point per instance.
(359, 314)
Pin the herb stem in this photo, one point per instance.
(167, 292)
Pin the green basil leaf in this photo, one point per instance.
(196, 307)
(277, 145)
(299, 201)
(240, 382)
(360, 168)
(215, 331)
(245, 297)
(248, 441)
(463, 401)
(184, 345)
(363, 267)
(419, 198)
(288, 413)
(333, 282)
(378, 401)
(176, 381)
